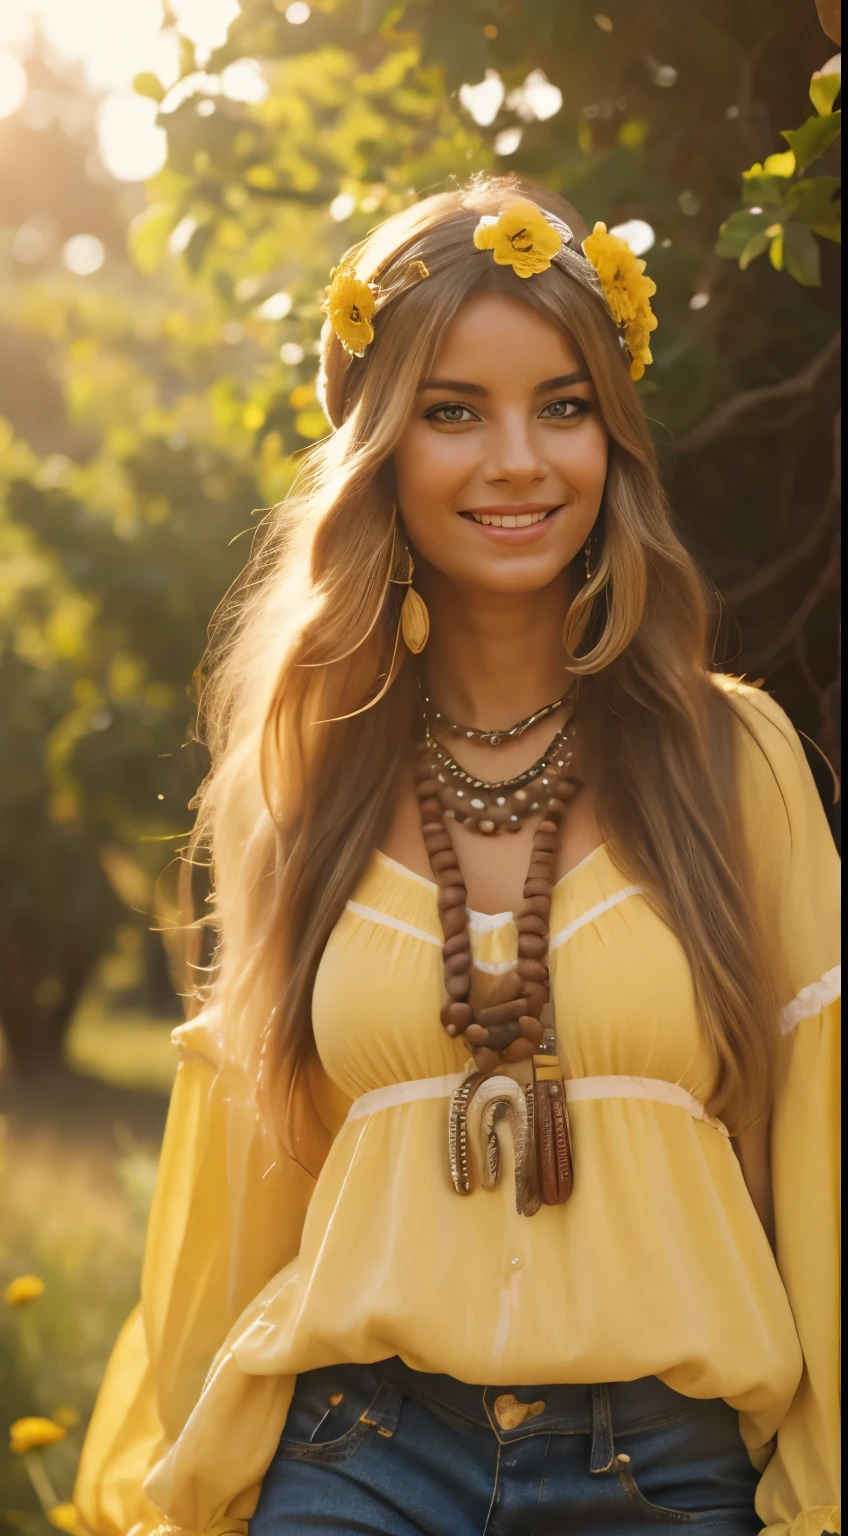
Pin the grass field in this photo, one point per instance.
(78, 1159)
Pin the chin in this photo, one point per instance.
(517, 575)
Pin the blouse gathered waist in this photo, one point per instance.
(656, 1266)
(578, 1090)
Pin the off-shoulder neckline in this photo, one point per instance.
(483, 920)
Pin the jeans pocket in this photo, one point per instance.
(333, 1412)
(659, 1512)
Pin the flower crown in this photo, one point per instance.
(525, 238)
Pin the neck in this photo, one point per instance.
(492, 658)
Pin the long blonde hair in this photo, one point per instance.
(303, 775)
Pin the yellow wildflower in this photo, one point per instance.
(33, 1434)
(627, 292)
(350, 306)
(66, 1518)
(520, 237)
(23, 1289)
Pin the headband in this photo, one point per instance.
(522, 236)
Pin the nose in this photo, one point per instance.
(513, 452)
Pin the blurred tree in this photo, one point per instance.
(179, 387)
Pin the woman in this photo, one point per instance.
(486, 834)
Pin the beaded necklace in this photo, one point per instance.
(510, 1030)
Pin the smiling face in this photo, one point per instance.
(501, 468)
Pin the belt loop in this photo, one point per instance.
(603, 1447)
(383, 1413)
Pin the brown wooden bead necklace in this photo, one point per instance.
(511, 1029)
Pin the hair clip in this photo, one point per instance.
(520, 236)
(627, 292)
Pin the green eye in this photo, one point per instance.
(564, 410)
(451, 415)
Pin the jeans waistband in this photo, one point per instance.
(513, 1413)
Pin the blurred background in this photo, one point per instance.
(176, 180)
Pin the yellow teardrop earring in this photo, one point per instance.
(414, 618)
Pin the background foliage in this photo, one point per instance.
(148, 412)
(151, 409)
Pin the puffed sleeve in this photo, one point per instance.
(227, 1214)
(797, 875)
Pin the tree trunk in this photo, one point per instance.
(42, 976)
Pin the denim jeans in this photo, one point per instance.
(385, 1449)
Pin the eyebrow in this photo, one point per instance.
(463, 387)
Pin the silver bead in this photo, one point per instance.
(460, 793)
(500, 800)
(478, 805)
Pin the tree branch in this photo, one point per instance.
(728, 412)
(826, 581)
(791, 557)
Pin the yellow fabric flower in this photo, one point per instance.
(33, 1434)
(350, 306)
(627, 291)
(65, 1517)
(23, 1289)
(520, 237)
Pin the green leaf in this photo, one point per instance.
(148, 84)
(754, 248)
(737, 232)
(196, 248)
(829, 232)
(824, 89)
(811, 200)
(760, 190)
(782, 165)
(148, 236)
(812, 138)
(801, 255)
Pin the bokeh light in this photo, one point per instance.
(83, 255)
(13, 84)
(276, 307)
(638, 234)
(131, 145)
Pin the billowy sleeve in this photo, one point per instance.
(797, 874)
(227, 1214)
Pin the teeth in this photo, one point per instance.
(525, 520)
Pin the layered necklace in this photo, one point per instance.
(517, 1024)
(490, 806)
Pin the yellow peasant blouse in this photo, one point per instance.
(658, 1264)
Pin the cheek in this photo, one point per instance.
(430, 466)
(581, 458)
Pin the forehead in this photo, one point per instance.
(499, 334)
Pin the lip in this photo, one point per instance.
(529, 534)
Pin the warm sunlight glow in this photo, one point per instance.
(113, 41)
(13, 84)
